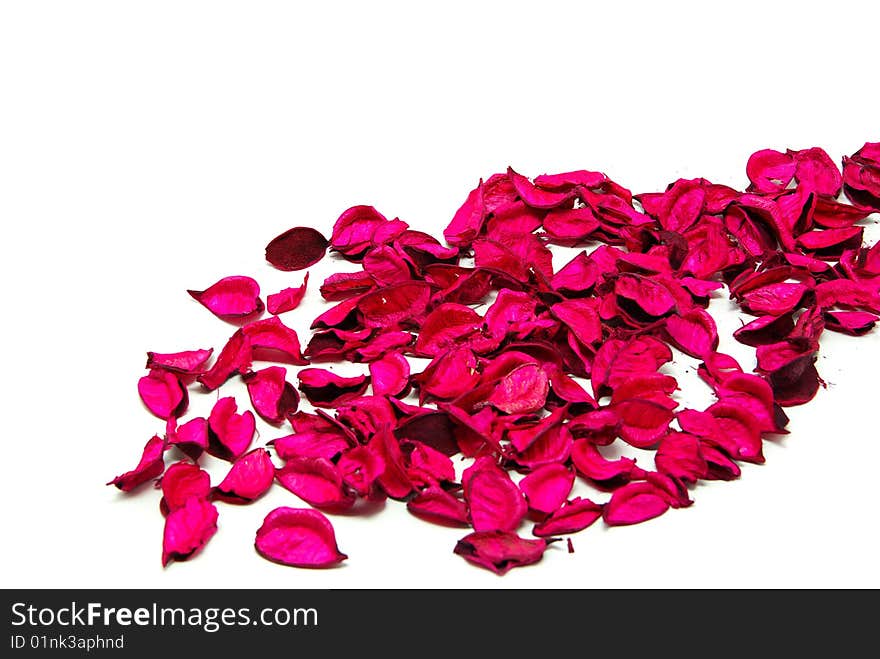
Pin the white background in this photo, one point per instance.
(147, 148)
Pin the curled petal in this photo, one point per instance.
(229, 433)
(500, 551)
(316, 481)
(326, 389)
(437, 505)
(150, 466)
(163, 393)
(494, 501)
(573, 516)
(390, 375)
(181, 481)
(272, 396)
(634, 503)
(188, 362)
(248, 479)
(231, 298)
(188, 529)
(287, 299)
(298, 537)
(547, 487)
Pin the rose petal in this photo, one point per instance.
(547, 487)
(272, 396)
(287, 299)
(150, 466)
(229, 433)
(188, 529)
(499, 551)
(298, 537)
(188, 362)
(296, 249)
(249, 478)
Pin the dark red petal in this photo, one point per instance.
(298, 537)
(499, 551)
(150, 466)
(287, 299)
(248, 479)
(188, 529)
(296, 249)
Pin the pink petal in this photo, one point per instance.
(326, 389)
(390, 375)
(163, 394)
(524, 389)
(272, 340)
(316, 481)
(298, 537)
(231, 298)
(573, 516)
(150, 466)
(437, 505)
(693, 332)
(499, 551)
(394, 304)
(494, 501)
(287, 299)
(634, 503)
(272, 396)
(249, 478)
(188, 529)
(180, 482)
(229, 433)
(188, 362)
(547, 487)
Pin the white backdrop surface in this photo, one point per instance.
(147, 148)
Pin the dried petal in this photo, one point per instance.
(150, 466)
(249, 478)
(494, 501)
(231, 298)
(547, 488)
(573, 516)
(188, 529)
(390, 375)
(326, 389)
(272, 396)
(298, 537)
(316, 481)
(634, 503)
(499, 551)
(181, 481)
(229, 433)
(287, 299)
(296, 249)
(188, 362)
(163, 393)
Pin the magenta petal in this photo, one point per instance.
(547, 487)
(188, 529)
(854, 323)
(573, 516)
(394, 304)
(769, 170)
(324, 388)
(235, 357)
(287, 299)
(316, 481)
(390, 375)
(180, 482)
(536, 197)
(229, 433)
(150, 466)
(679, 456)
(296, 249)
(248, 479)
(693, 332)
(272, 396)
(273, 340)
(354, 230)
(524, 389)
(191, 437)
(499, 551)
(188, 362)
(360, 469)
(437, 505)
(298, 537)
(635, 502)
(231, 298)
(494, 501)
(163, 393)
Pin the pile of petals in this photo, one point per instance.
(560, 364)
